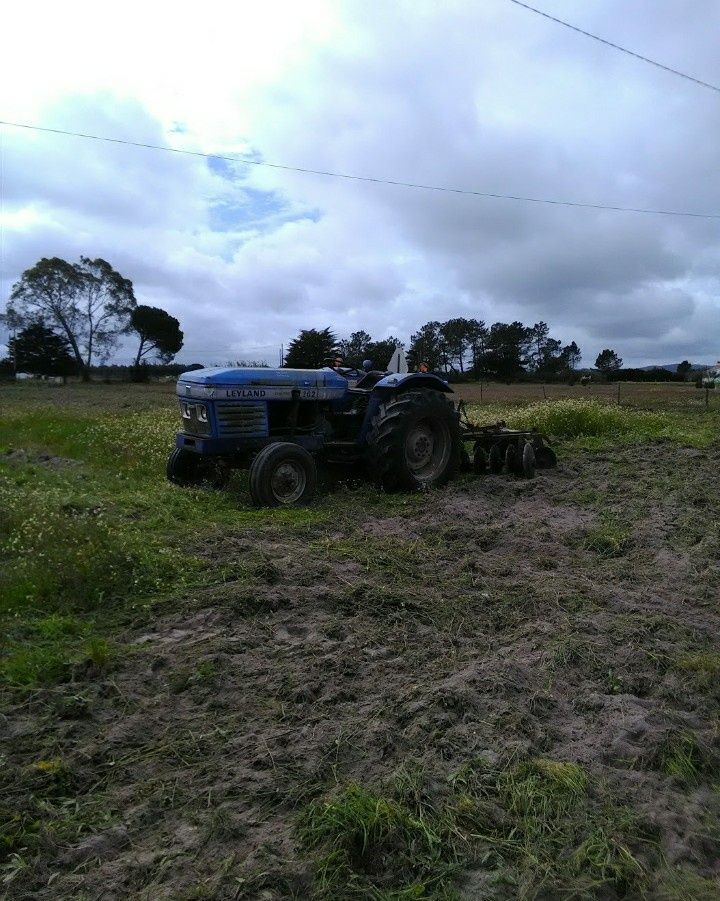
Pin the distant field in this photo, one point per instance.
(503, 689)
(101, 398)
(646, 395)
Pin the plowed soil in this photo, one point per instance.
(573, 617)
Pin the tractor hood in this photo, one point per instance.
(261, 384)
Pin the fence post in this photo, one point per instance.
(480, 392)
(618, 400)
(544, 394)
(707, 397)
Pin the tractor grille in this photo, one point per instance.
(246, 419)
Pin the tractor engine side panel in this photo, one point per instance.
(247, 419)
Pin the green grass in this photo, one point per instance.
(608, 538)
(536, 825)
(44, 650)
(682, 758)
(703, 667)
(92, 530)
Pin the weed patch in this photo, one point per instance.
(534, 824)
(682, 758)
(374, 847)
(609, 538)
(41, 651)
(702, 668)
(597, 424)
(682, 884)
(36, 666)
(75, 561)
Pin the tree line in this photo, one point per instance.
(64, 317)
(504, 350)
(457, 348)
(314, 348)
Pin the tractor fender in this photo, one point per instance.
(412, 381)
(393, 384)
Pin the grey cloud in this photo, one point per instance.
(481, 96)
(104, 181)
(646, 313)
(552, 117)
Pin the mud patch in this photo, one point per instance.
(22, 457)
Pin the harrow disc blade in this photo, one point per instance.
(545, 457)
(528, 461)
(496, 459)
(480, 461)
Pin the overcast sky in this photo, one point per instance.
(483, 96)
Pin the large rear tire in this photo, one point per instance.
(414, 442)
(282, 474)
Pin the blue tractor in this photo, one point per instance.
(280, 423)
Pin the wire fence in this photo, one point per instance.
(639, 395)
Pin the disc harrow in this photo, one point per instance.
(497, 448)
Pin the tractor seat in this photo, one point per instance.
(370, 379)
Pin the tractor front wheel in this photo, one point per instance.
(282, 474)
(414, 441)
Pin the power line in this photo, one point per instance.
(639, 56)
(367, 178)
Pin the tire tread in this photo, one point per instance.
(385, 455)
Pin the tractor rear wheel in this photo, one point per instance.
(282, 474)
(190, 470)
(414, 441)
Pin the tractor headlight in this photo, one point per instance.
(195, 418)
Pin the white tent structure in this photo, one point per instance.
(712, 376)
(398, 363)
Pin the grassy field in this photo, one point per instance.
(503, 689)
